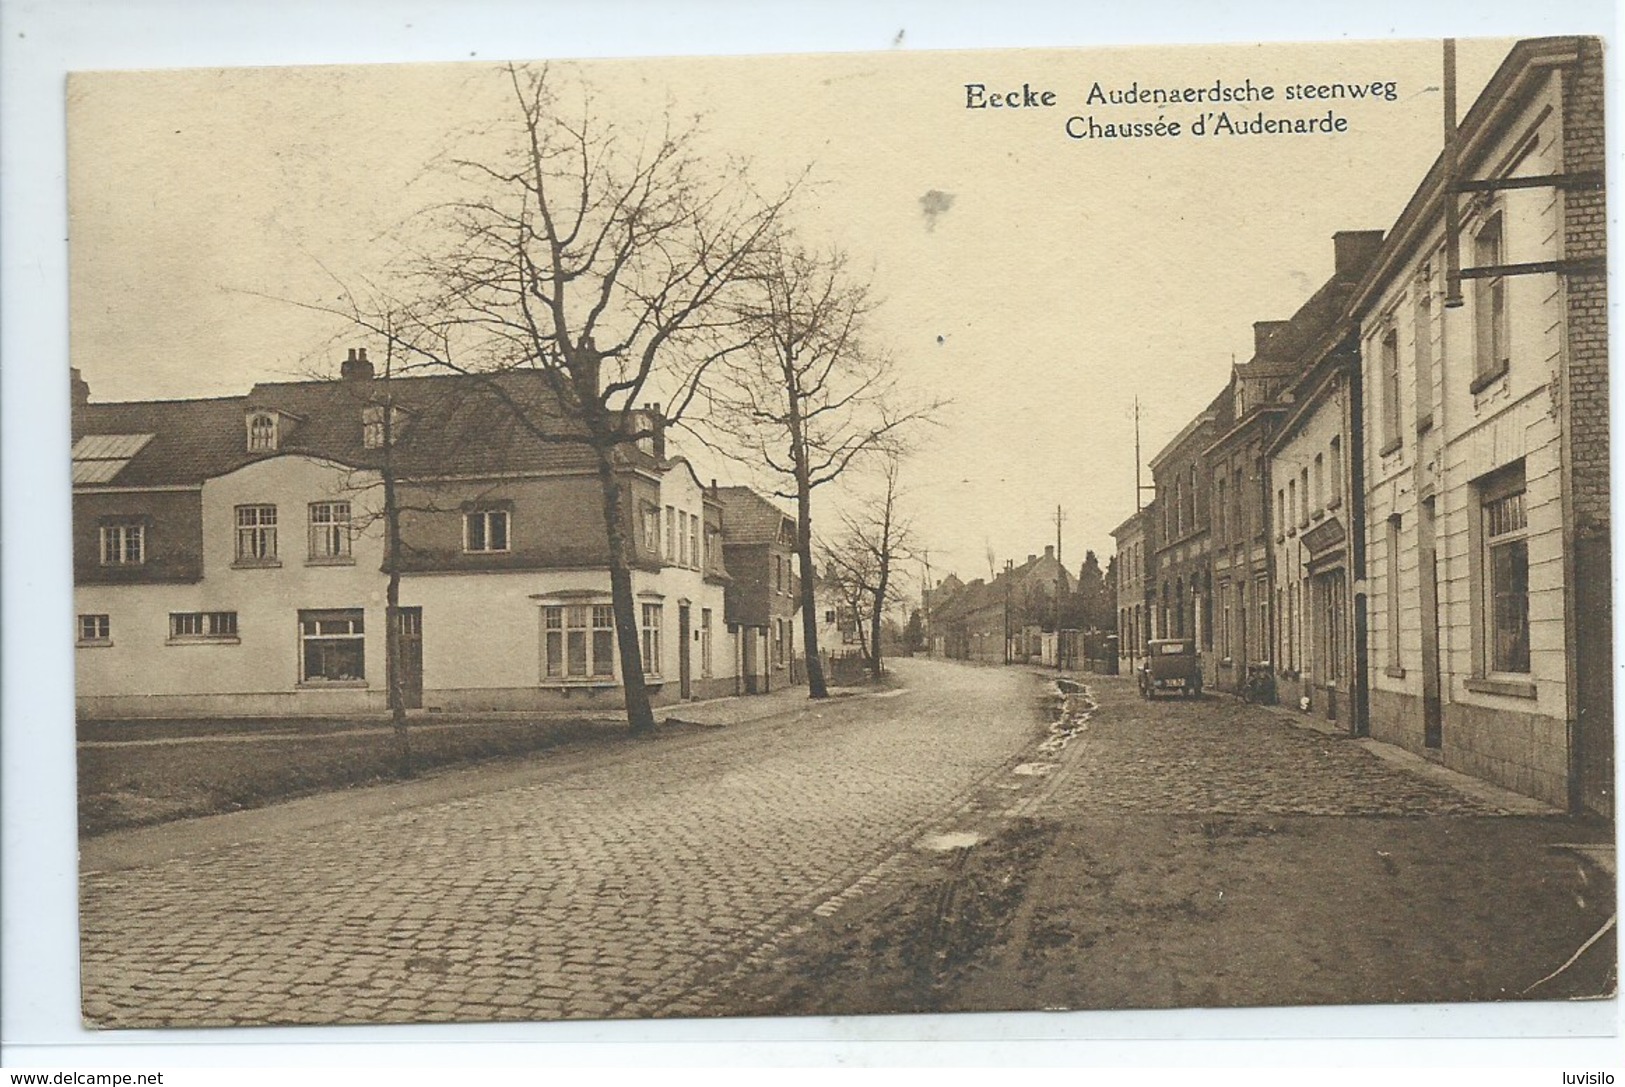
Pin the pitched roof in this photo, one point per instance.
(749, 518)
(450, 425)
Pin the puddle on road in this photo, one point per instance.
(954, 839)
(1074, 706)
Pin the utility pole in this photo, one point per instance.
(925, 603)
(1060, 584)
(1009, 564)
(1139, 488)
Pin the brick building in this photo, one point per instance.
(1486, 480)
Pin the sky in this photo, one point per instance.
(1039, 283)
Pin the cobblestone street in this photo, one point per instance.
(610, 884)
(704, 873)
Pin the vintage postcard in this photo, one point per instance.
(912, 532)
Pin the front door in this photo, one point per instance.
(685, 674)
(410, 640)
(1428, 578)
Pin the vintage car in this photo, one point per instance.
(1171, 664)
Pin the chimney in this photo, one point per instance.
(79, 394)
(1262, 331)
(356, 367)
(1353, 251)
(1031, 559)
(657, 423)
(1049, 551)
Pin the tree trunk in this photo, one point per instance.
(875, 616)
(816, 686)
(639, 714)
(392, 607)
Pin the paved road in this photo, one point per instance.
(609, 884)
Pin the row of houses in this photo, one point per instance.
(229, 555)
(1398, 506)
(1011, 618)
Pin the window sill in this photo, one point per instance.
(1393, 446)
(256, 564)
(1320, 515)
(233, 640)
(487, 551)
(1424, 424)
(592, 683)
(331, 560)
(1394, 671)
(331, 685)
(1484, 381)
(1510, 688)
(1291, 532)
(99, 643)
(1334, 503)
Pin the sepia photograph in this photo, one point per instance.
(891, 533)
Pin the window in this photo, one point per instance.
(1392, 595)
(705, 642)
(579, 640)
(1424, 355)
(1238, 513)
(1320, 483)
(651, 529)
(694, 541)
(1280, 514)
(1303, 495)
(203, 626)
(1336, 478)
(329, 530)
(333, 648)
(1389, 359)
(485, 530)
(124, 544)
(671, 534)
(603, 640)
(651, 639)
(256, 534)
(1222, 527)
(1491, 350)
(95, 630)
(372, 426)
(1506, 567)
(261, 432)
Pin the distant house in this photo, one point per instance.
(1007, 620)
(764, 596)
(1133, 589)
(229, 553)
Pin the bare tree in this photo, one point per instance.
(862, 560)
(811, 397)
(608, 266)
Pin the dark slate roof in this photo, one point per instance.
(450, 425)
(192, 439)
(748, 518)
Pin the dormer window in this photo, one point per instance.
(372, 426)
(262, 431)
